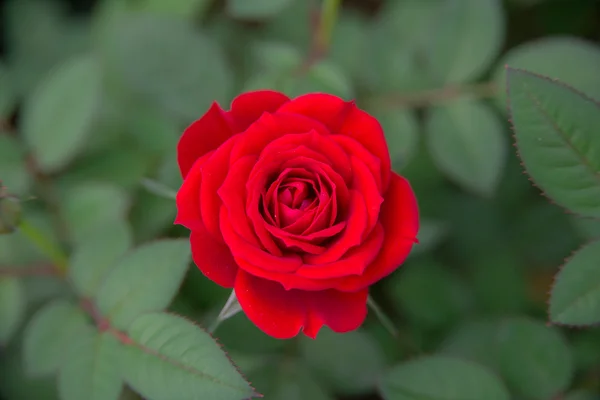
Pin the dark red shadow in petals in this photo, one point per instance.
(345, 118)
(287, 280)
(400, 220)
(350, 237)
(363, 182)
(214, 172)
(311, 144)
(202, 136)
(253, 255)
(270, 127)
(282, 314)
(354, 262)
(354, 148)
(188, 197)
(249, 106)
(233, 196)
(213, 258)
(341, 312)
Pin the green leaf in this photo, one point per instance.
(8, 98)
(581, 395)
(556, 134)
(122, 167)
(288, 380)
(429, 294)
(49, 334)
(89, 370)
(401, 130)
(13, 170)
(396, 59)
(151, 215)
(567, 58)
(146, 279)
(475, 341)
(89, 206)
(467, 142)
(181, 8)
(169, 358)
(534, 360)
(59, 115)
(431, 233)
(575, 297)
(349, 42)
(442, 378)
(256, 9)
(466, 38)
(95, 256)
(12, 307)
(167, 62)
(349, 363)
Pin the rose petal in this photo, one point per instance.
(253, 255)
(272, 126)
(354, 262)
(341, 312)
(188, 197)
(214, 172)
(202, 136)
(213, 258)
(364, 183)
(400, 220)
(345, 118)
(233, 196)
(249, 106)
(282, 314)
(350, 237)
(354, 148)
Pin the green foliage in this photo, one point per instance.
(555, 129)
(466, 39)
(171, 358)
(349, 363)
(454, 379)
(94, 99)
(258, 9)
(551, 56)
(12, 307)
(466, 141)
(48, 334)
(138, 48)
(146, 279)
(59, 114)
(90, 368)
(534, 360)
(96, 255)
(575, 296)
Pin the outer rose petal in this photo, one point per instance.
(400, 220)
(202, 136)
(248, 107)
(213, 258)
(281, 314)
(344, 118)
(188, 197)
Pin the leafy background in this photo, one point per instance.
(93, 97)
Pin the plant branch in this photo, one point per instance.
(322, 24)
(41, 270)
(440, 95)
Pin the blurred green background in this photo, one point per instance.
(94, 95)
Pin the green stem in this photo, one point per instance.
(50, 250)
(384, 319)
(328, 18)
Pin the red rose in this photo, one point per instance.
(293, 203)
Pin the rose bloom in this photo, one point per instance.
(293, 203)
